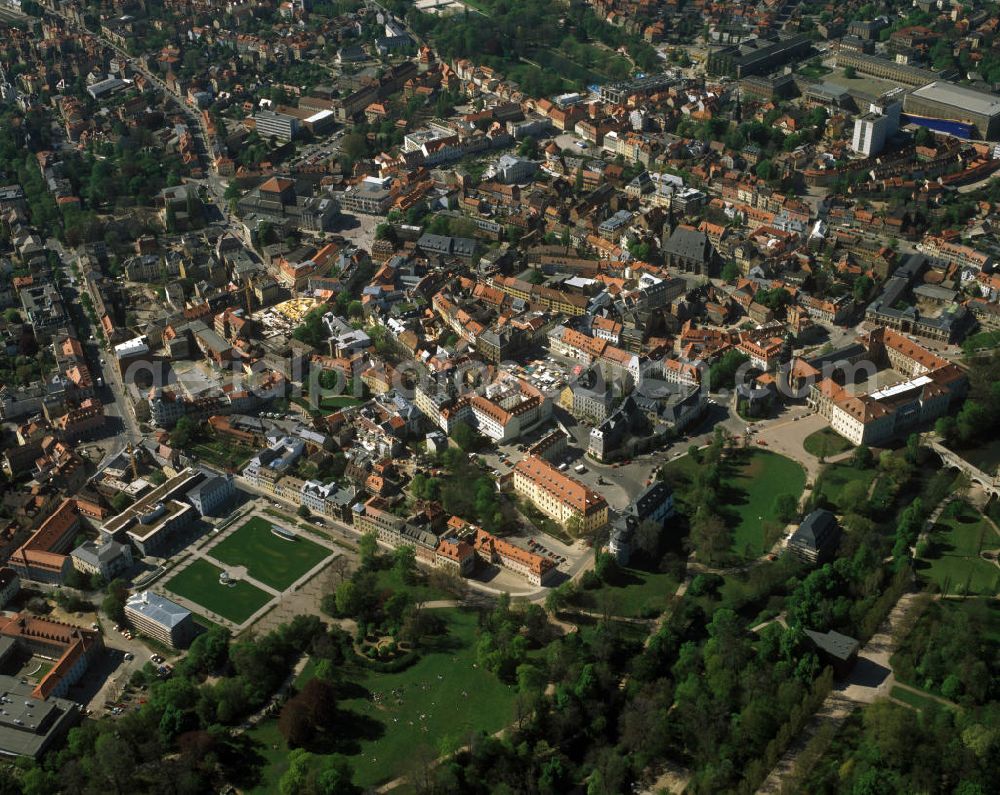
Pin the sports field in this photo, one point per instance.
(199, 582)
(274, 561)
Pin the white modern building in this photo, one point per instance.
(159, 618)
(872, 130)
(512, 169)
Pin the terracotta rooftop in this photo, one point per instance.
(561, 486)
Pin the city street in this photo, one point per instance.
(121, 428)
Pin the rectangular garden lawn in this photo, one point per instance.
(272, 559)
(199, 582)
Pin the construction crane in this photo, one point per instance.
(131, 458)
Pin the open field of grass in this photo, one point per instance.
(953, 560)
(438, 702)
(825, 443)
(199, 582)
(749, 489)
(638, 594)
(274, 561)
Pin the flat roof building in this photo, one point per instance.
(30, 725)
(757, 56)
(946, 101)
(151, 522)
(277, 125)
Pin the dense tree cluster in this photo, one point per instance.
(722, 373)
(383, 610)
(312, 331)
(544, 47)
(952, 651)
(889, 748)
(180, 741)
(979, 417)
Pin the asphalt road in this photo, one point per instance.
(122, 425)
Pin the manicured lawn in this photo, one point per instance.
(814, 70)
(339, 401)
(444, 698)
(274, 561)
(640, 594)
(748, 493)
(835, 476)
(199, 582)
(953, 560)
(825, 443)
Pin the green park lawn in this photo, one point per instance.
(637, 594)
(953, 561)
(444, 699)
(199, 582)
(748, 494)
(834, 477)
(825, 443)
(274, 561)
(419, 591)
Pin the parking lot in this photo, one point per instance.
(107, 680)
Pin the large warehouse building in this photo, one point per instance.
(947, 102)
